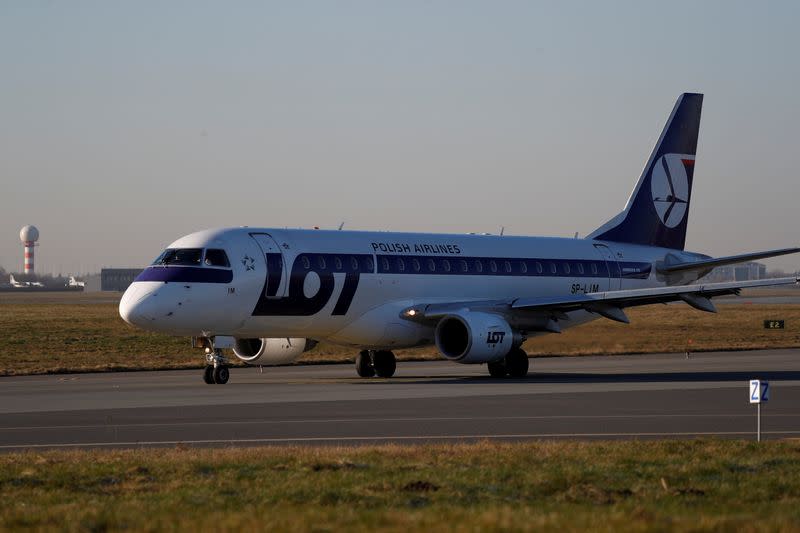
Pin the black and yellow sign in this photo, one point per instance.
(774, 324)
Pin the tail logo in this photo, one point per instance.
(669, 185)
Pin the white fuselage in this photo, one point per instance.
(350, 287)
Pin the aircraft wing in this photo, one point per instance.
(607, 304)
(707, 263)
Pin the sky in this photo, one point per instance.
(124, 125)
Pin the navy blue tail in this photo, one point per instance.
(658, 210)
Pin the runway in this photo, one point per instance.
(619, 397)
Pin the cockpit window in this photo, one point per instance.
(217, 258)
(180, 256)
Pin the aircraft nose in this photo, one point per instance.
(137, 306)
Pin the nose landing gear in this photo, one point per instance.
(376, 362)
(216, 371)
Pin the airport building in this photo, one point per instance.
(741, 272)
(111, 279)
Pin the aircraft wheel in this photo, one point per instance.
(384, 363)
(364, 365)
(208, 374)
(221, 375)
(497, 369)
(517, 363)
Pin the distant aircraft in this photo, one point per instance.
(270, 294)
(22, 284)
(75, 283)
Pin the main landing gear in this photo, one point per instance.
(376, 362)
(515, 364)
(216, 371)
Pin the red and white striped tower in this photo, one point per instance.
(29, 235)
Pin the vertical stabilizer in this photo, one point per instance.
(657, 211)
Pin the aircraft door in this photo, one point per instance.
(277, 273)
(614, 273)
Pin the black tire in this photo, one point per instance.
(364, 365)
(221, 375)
(208, 375)
(384, 363)
(517, 363)
(497, 369)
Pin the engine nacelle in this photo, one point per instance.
(474, 337)
(276, 351)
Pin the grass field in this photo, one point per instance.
(705, 485)
(83, 332)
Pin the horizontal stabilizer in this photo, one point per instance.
(708, 264)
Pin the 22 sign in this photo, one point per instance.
(759, 391)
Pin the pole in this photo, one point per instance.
(759, 421)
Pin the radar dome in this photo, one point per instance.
(28, 234)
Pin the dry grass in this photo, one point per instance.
(705, 485)
(69, 332)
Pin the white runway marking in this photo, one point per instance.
(528, 436)
(111, 425)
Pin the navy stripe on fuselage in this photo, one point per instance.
(510, 266)
(185, 274)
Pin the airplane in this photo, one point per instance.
(23, 284)
(271, 294)
(73, 282)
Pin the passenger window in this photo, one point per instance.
(321, 262)
(401, 265)
(523, 267)
(493, 265)
(478, 265)
(464, 266)
(431, 265)
(553, 268)
(580, 268)
(507, 265)
(539, 268)
(369, 265)
(217, 258)
(415, 264)
(306, 262)
(384, 264)
(337, 263)
(565, 266)
(446, 265)
(594, 269)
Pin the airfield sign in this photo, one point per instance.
(759, 393)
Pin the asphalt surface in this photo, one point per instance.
(627, 397)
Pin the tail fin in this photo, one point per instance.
(657, 211)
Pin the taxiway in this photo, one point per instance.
(611, 397)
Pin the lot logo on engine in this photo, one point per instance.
(495, 337)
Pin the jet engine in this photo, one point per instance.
(474, 337)
(276, 351)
